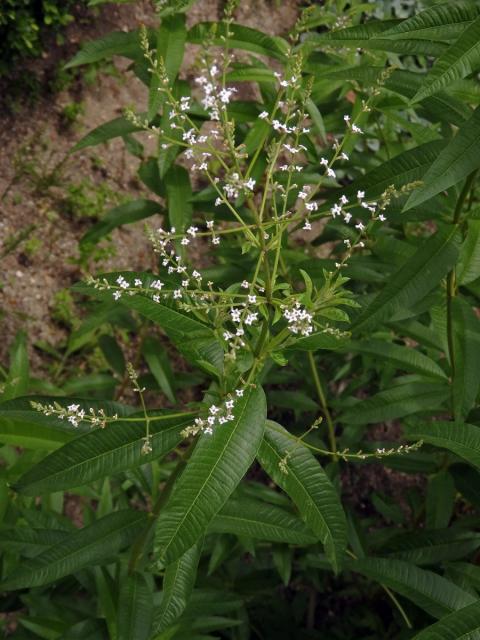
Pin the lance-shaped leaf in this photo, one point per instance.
(179, 192)
(118, 216)
(466, 356)
(171, 36)
(115, 128)
(468, 267)
(256, 519)
(218, 463)
(463, 439)
(431, 547)
(178, 582)
(135, 608)
(417, 277)
(456, 161)
(23, 426)
(397, 402)
(193, 338)
(436, 595)
(458, 61)
(93, 545)
(370, 36)
(242, 37)
(404, 358)
(30, 542)
(463, 624)
(117, 43)
(403, 169)
(104, 452)
(308, 486)
(440, 22)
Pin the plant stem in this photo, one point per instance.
(323, 403)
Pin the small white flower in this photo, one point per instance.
(239, 393)
(117, 295)
(263, 115)
(177, 294)
(252, 299)
(360, 194)
(245, 284)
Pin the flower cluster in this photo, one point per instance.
(217, 415)
(299, 320)
(74, 414)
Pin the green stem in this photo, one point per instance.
(323, 403)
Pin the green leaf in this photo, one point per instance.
(22, 426)
(457, 160)
(317, 118)
(417, 277)
(194, 339)
(308, 486)
(179, 192)
(468, 266)
(30, 542)
(112, 353)
(178, 582)
(118, 216)
(321, 340)
(404, 358)
(408, 166)
(95, 544)
(135, 608)
(104, 452)
(118, 43)
(113, 129)
(171, 36)
(463, 624)
(458, 61)
(466, 354)
(440, 22)
(157, 359)
(243, 38)
(218, 463)
(463, 439)
(17, 381)
(436, 595)
(440, 500)
(370, 35)
(397, 402)
(256, 519)
(432, 547)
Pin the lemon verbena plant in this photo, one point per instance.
(306, 346)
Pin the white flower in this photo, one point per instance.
(360, 194)
(251, 318)
(307, 226)
(239, 393)
(138, 282)
(252, 299)
(245, 284)
(117, 295)
(263, 115)
(177, 294)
